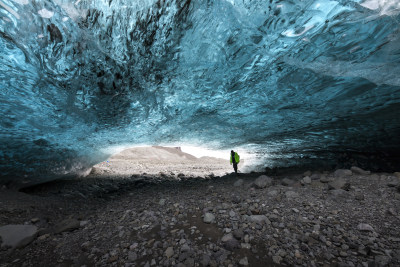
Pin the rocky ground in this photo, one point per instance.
(341, 218)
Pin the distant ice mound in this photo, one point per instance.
(157, 160)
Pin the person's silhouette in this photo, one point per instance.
(235, 159)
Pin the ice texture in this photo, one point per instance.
(286, 80)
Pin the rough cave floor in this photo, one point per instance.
(323, 219)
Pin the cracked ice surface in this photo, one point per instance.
(283, 80)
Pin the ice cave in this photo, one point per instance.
(292, 82)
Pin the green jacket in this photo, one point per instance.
(237, 158)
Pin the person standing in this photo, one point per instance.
(235, 159)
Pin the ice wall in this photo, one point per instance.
(287, 80)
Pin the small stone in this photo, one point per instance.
(291, 194)
(208, 217)
(227, 237)
(273, 193)
(161, 202)
(169, 252)
(132, 256)
(295, 210)
(359, 196)
(133, 246)
(43, 237)
(238, 234)
(397, 174)
(35, 220)
(324, 179)
(277, 259)
(245, 245)
(297, 254)
(365, 227)
(238, 183)
(259, 219)
(244, 262)
(185, 248)
(83, 223)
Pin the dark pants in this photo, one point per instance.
(235, 167)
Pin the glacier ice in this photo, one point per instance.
(288, 81)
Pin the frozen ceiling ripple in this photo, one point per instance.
(288, 80)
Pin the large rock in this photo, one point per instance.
(208, 217)
(342, 173)
(358, 170)
(263, 181)
(339, 184)
(17, 236)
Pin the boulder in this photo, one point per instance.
(342, 173)
(263, 181)
(358, 170)
(339, 184)
(17, 236)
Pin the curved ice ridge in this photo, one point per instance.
(285, 80)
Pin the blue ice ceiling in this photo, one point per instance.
(287, 80)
